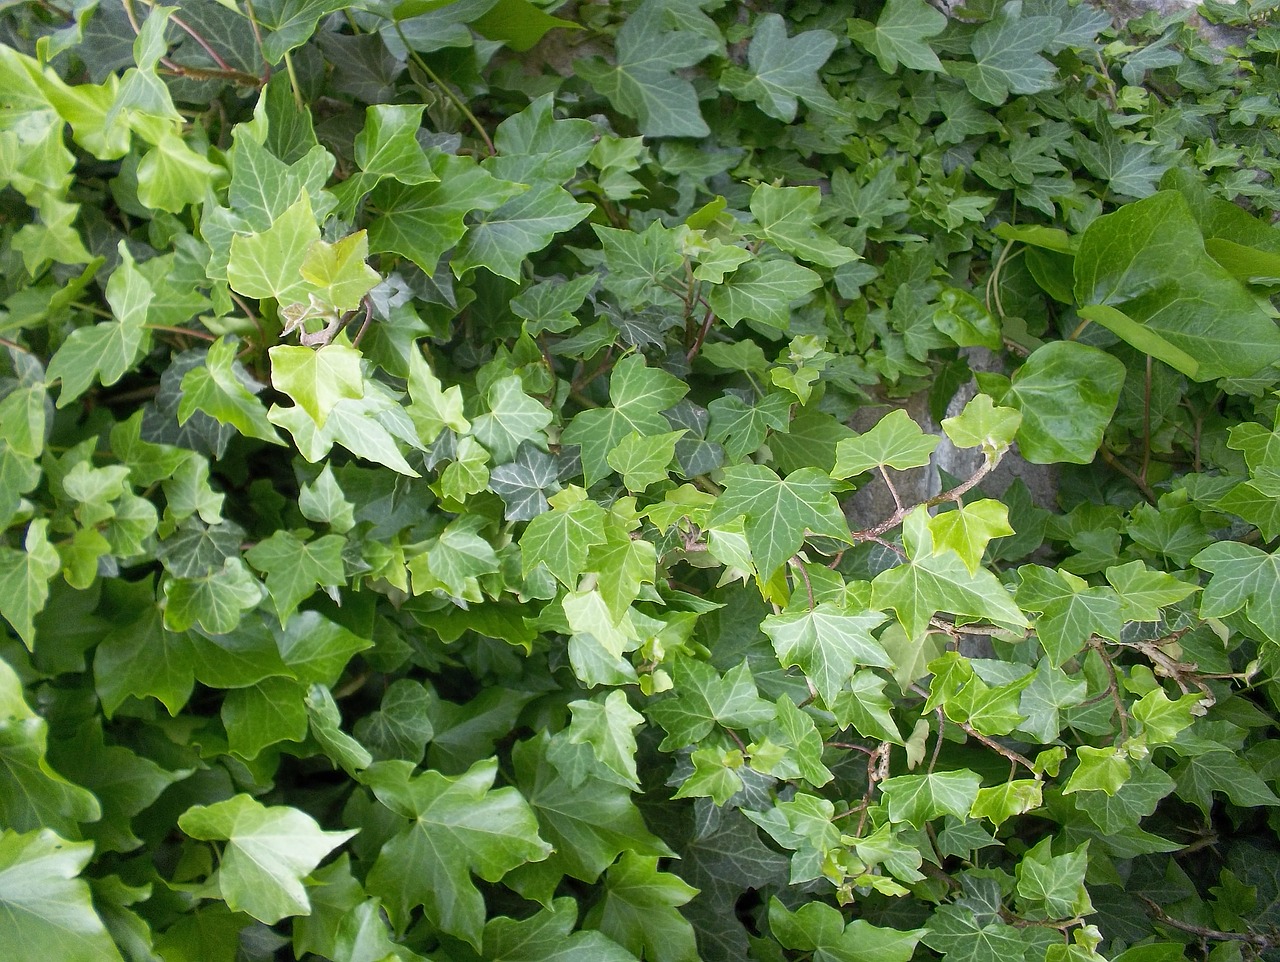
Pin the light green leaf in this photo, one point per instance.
(644, 460)
(24, 580)
(778, 513)
(828, 644)
(969, 529)
(1001, 802)
(431, 408)
(1242, 577)
(269, 263)
(388, 145)
(295, 568)
(703, 699)
(269, 852)
(1006, 53)
(548, 937)
(215, 601)
(607, 726)
(919, 798)
(1100, 770)
(338, 271)
(217, 389)
(787, 217)
(896, 441)
(982, 424)
(108, 350)
(821, 929)
(264, 714)
(763, 291)
(47, 910)
(317, 379)
(562, 538)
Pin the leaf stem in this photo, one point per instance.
(445, 89)
(15, 346)
(199, 335)
(798, 565)
(1124, 469)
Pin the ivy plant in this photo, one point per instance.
(439, 445)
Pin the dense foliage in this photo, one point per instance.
(427, 514)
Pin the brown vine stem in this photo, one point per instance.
(1128, 472)
(199, 335)
(995, 746)
(13, 345)
(798, 565)
(954, 494)
(703, 330)
(1252, 938)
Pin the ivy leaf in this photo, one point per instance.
(957, 932)
(899, 35)
(338, 271)
(638, 263)
(1100, 770)
(1006, 52)
(107, 350)
(548, 937)
(513, 418)
(32, 794)
(606, 725)
(1242, 577)
(269, 851)
(969, 529)
(457, 826)
(778, 513)
(637, 394)
(269, 263)
(24, 580)
(295, 568)
(534, 146)
(786, 216)
(828, 643)
(821, 929)
(501, 239)
(550, 305)
(917, 799)
(525, 483)
(763, 291)
(215, 389)
(644, 84)
(401, 727)
(562, 538)
(1001, 802)
(704, 699)
(422, 221)
(433, 408)
(589, 823)
(803, 825)
(741, 427)
(621, 565)
(215, 600)
(1129, 168)
(263, 714)
(930, 583)
(1066, 392)
(783, 71)
(47, 910)
(640, 910)
(896, 441)
(983, 424)
(317, 379)
(1200, 776)
(388, 145)
(1072, 611)
(643, 461)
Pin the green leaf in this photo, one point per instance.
(502, 239)
(388, 145)
(983, 424)
(899, 35)
(1133, 801)
(325, 722)
(969, 529)
(929, 583)
(534, 146)
(401, 727)
(782, 71)
(32, 794)
(316, 379)
(1242, 577)
(218, 390)
(803, 825)
(215, 601)
(786, 216)
(562, 538)
(778, 513)
(525, 483)
(638, 394)
(108, 350)
(513, 418)
(1072, 611)
(964, 319)
(704, 699)
(1200, 776)
(548, 937)
(715, 775)
(290, 24)
(763, 291)
(269, 263)
(828, 644)
(456, 826)
(821, 929)
(47, 909)
(644, 83)
(1066, 393)
(1100, 770)
(422, 221)
(1002, 802)
(295, 568)
(919, 798)
(606, 725)
(338, 271)
(1127, 166)
(1148, 260)
(960, 935)
(896, 441)
(741, 427)
(269, 851)
(1006, 53)
(24, 580)
(1142, 337)
(1054, 884)
(264, 714)
(644, 461)
(640, 910)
